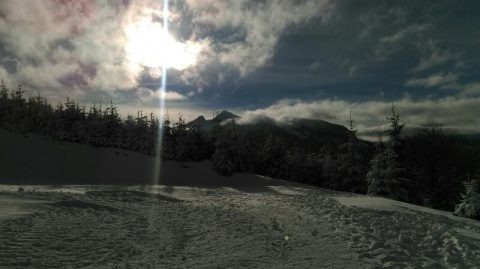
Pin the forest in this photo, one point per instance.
(432, 166)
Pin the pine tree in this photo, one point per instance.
(93, 128)
(470, 204)
(70, 121)
(110, 126)
(395, 133)
(250, 151)
(198, 149)
(152, 135)
(375, 175)
(230, 155)
(141, 133)
(215, 130)
(4, 104)
(38, 115)
(17, 111)
(181, 142)
(386, 175)
(272, 158)
(330, 175)
(296, 163)
(350, 163)
(222, 156)
(168, 143)
(436, 156)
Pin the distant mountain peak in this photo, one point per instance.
(225, 115)
(200, 119)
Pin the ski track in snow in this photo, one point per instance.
(224, 228)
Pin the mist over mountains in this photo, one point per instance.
(306, 133)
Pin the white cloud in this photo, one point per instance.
(446, 82)
(457, 113)
(435, 80)
(375, 19)
(74, 45)
(353, 70)
(398, 36)
(436, 58)
(315, 65)
(471, 89)
(147, 95)
(391, 44)
(5, 76)
(261, 23)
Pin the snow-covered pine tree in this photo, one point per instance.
(393, 175)
(152, 135)
(375, 174)
(239, 153)
(250, 152)
(180, 138)
(350, 163)
(296, 163)
(215, 129)
(395, 133)
(272, 158)
(197, 145)
(70, 121)
(223, 150)
(330, 175)
(470, 204)
(168, 143)
(93, 127)
(128, 132)
(4, 105)
(386, 175)
(39, 114)
(230, 155)
(436, 155)
(16, 111)
(141, 131)
(111, 122)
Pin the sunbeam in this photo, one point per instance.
(158, 166)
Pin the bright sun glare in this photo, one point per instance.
(150, 45)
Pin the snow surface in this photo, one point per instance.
(189, 227)
(162, 227)
(433, 238)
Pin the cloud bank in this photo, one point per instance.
(457, 113)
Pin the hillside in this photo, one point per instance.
(33, 159)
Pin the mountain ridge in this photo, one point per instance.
(307, 133)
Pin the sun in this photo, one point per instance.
(150, 45)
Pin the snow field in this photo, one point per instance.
(221, 228)
(182, 227)
(406, 237)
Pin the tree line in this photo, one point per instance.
(428, 168)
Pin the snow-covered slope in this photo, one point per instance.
(196, 218)
(33, 159)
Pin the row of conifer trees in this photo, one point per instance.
(426, 168)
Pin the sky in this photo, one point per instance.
(286, 59)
